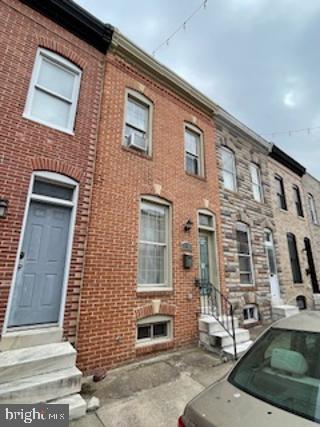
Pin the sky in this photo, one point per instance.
(258, 59)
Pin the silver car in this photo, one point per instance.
(276, 383)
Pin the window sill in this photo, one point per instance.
(302, 218)
(153, 342)
(47, 124)
(140, 154)
(193, 175)
(153, 290)
(285, 211)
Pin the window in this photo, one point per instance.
(228, 169)
(313, 210)
(153, 245)
(154, 329)
(205, 221)
(53, 92)
(297, 200)
(137, 133)
(281, 197)
(192, 141)
(256, 182)
(250, 314)
(294, 258)
(244, 254)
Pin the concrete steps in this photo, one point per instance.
(42, 388)
(222, 339)
(77, 405)
(33, 361)
(241, 349)
(284, 310)
(30, 338)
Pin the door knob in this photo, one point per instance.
(22, 254)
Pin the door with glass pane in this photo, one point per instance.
(206, 268)
(273, 274)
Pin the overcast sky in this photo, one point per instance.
(259, 59)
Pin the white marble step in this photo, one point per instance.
(30, 338)
(241, 348)
(223, 339)
(42, 388)
(77, 405)
(210, 325)
(42, 359)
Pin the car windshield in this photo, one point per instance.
(283, 369)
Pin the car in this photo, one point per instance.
(275, 383)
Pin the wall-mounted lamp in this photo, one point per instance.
(3, 208)
(188, 225)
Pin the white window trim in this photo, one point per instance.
(194, 129)
(140, 98)
(259, 185)
(54, 178)
(313, 209)
(152, 320)
(255, 319)
(249, 256)
(167, 286)
(234, 169)
(65, 64)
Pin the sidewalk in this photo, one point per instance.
(154, 391)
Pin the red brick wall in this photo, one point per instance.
(26, 146)
(110, 302)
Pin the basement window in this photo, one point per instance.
(250, 314)
(153, 330)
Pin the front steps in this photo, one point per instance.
(215, 338)
(283, 310)
(41, 373)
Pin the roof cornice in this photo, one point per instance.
(76, 20)
(284, 159)
(129, 50)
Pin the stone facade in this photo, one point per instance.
(288, 221)
(240, 206)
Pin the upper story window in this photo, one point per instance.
(137, 134)
(193, 151)
(313, 209)
(153, 269)
(297, 200)
(281, 196)
(244, 254)
(256, 182)
(294, 258)
(228, 169)
(53, 91)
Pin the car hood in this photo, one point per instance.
(223, 405)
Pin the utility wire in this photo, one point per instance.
(183, 26)
(291, 131)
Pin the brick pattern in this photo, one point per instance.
(27, 146)
(241, 206)
(110, 301)
(289, 222)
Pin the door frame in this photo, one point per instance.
(54, 178)
(272, 245)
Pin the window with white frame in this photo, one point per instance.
(228, 169)
(313, 209)
(154, 329)
(193, 151)
(256, 182)
(138, 122)
(153, 269)
(244, 254)
(53, 91)
(250, 313)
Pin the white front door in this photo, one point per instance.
(273, 274)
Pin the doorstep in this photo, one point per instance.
(16, 339)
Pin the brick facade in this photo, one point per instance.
(27, 146)
(287, 221)
(240, 206)
(110, 301)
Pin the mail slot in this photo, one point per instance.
(187, 261)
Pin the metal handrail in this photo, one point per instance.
(214, 303)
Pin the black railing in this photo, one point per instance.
(217, 305)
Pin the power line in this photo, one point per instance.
(183, 26)
(289, 132)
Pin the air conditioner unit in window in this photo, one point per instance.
(137, 141)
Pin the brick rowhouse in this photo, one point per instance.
(28, 146)
(111, 302)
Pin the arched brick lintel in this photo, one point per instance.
(153, 309)
(42, 163)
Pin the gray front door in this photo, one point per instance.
(38, 288)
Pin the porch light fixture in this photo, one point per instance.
(188, 225)
(3, 208)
